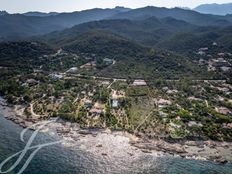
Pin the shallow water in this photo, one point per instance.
(57, 159)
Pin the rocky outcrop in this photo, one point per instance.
(160, 146)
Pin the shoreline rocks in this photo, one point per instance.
(198, 150)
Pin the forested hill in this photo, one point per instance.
(166, 33)
(148, 32)
(132, 59)
(22, 55)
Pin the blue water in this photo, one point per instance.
(57, 159)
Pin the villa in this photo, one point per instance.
(139, 83)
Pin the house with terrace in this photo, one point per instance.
(116, 98)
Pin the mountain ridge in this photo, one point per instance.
(40, 14)
(216, 9)
(11, 24)
(189, 16)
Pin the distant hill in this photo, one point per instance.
(3, 13)
(11, 25)
(216, 9)
(189, 16)
(40, 14)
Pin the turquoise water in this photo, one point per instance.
(57, 159)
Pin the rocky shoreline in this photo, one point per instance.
(118, 143)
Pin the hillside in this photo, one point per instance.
(166, 33)
(148, 32)
(132, 59)
(22, 55)
(202, 37)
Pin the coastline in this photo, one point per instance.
(107, 143)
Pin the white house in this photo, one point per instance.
(139, 83)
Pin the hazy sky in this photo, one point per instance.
(19, 6)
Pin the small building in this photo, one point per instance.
(31, 82)
(108, 61)
(172, 91)
(89, 65)
(192, 98)
(139, 83)
(227, 126)
(95, 111)
(88, 103)
(60, 100)
(219, 60)
(164, 102)
(165, 88)
(221, 54)
(163, 114)
(104, 83)
(201, 53)
(223, 110)
(72, 70)
(117, 94)
(98, 105)
(83, 92)
(55, 76)
(204, 49)
(98, 109)
(202, 62)
(174, 125)
(211, 68)
(161, 103)
(194, 123)
(214, 44)
(90, 94)
(225, 68)
(115, 103)
(223, 89)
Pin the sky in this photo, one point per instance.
(20, 6)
